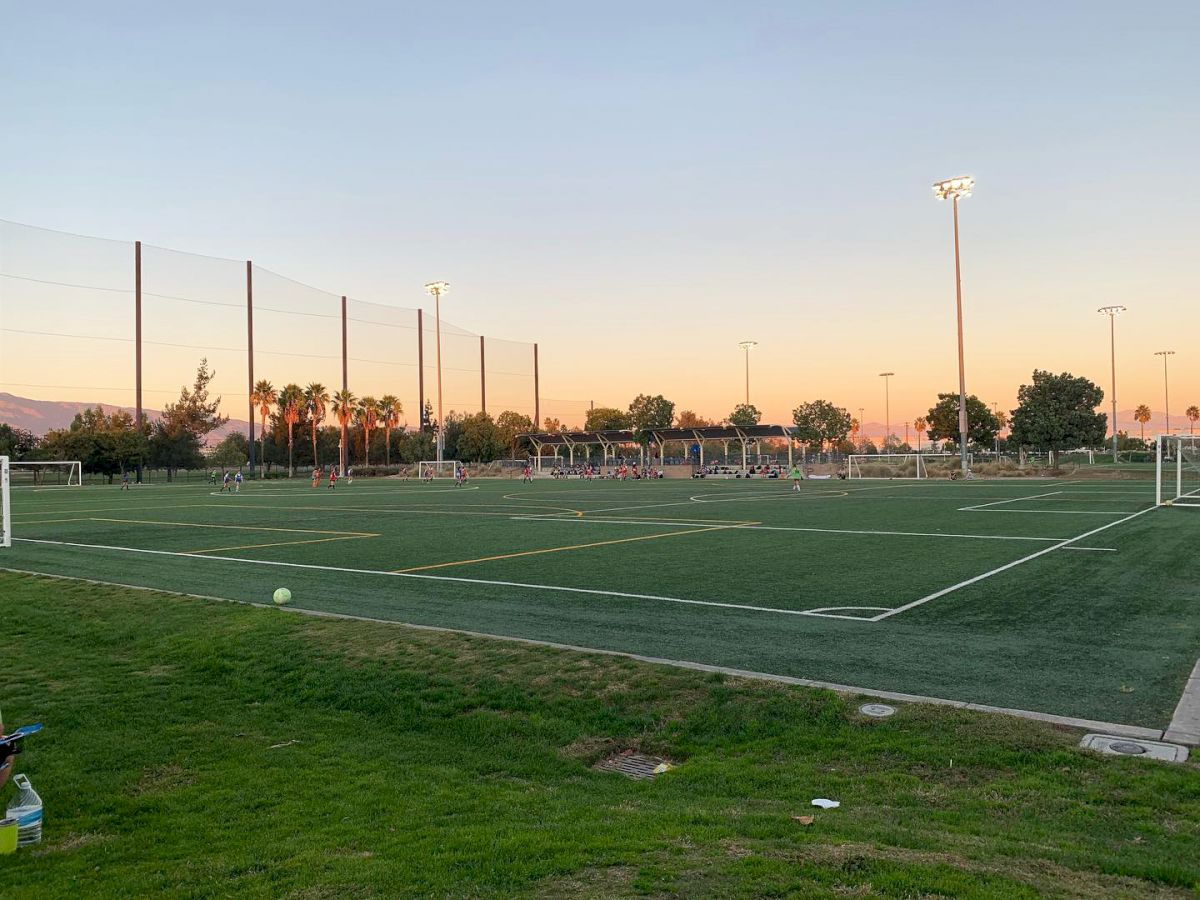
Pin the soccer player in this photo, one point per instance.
(332, 477)
(527, 475)
(797, 476)
(349, 474)
(237, 482)
(124, 481)
(226, 484)
(316, 475)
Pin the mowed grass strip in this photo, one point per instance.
(202, 749)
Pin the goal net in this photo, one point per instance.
(45, 473)
(1177, 470)
(899, 465)
(431, 468)
(5, 516)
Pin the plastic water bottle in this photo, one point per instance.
(27, 810)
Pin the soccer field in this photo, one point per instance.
(1073, 598)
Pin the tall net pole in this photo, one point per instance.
(250, 356)
(421, 369)
(343, 450)
(962, 373)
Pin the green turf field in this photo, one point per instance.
(1074, 598)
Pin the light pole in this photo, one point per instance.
(748, 346)
(1112, 312)
(1166, 390)
(862, 429)
(996, 413)
(887, 408)
(951, 189)
(437, 288)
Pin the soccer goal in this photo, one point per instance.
(431, 468)
(5, 516)
(897, 465)
(45, 473)
(1177, 470)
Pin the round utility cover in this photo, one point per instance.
(1126, 747)
(877, 710)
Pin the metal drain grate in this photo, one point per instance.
(635, 765)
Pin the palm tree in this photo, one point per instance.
(316, 398)
(1193, 414)
(291, 398)
(343, 408)
(264, 396)
(390, 409)
(367, 415)
(921, 425)
(1142, 416)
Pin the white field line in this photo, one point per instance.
(934, 534)
(1012, 565)
(1053, 512)
(1134, 731)
(1011, 500)
(447, 578)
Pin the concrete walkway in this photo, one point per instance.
(1185, 724)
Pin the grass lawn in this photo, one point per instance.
(1072, 598)
(208, 749)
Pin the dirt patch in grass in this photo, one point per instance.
(73, 842)
(162, 779)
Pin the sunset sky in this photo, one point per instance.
(639, 186)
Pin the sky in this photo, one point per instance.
(639, 186)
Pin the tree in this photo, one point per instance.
(606, 418)
(921, 425)
(390, 409)
(16, 443)
(942, 419)
(1058, 412)
(367, 415)
(479, 439)
(178, 435)
(820, 422)
(1141, 415)
(103, 443)
(316, 401)
(1193, 414)
(689, 419)
(263, 396)
(509, 424)
(745, 414)
(231, 453)
(290, 401)
(647, 413)
(427, 423)
(343, 408)
(552, 424)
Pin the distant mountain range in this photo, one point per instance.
(40, 416)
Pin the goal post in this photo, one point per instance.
(896, 465)
(45, 473)
(432, 468)
(5, 515)
(1177, 470)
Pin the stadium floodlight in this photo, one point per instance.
(437, 288)
(1166, 389)
(952, 189)
(748, 346)
(887, 407)
(1112, 312)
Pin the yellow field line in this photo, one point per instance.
(238, 527)
(645, 537)
(50, 521)
(352, 537)
(86, 509)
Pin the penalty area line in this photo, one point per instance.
(1012, 565)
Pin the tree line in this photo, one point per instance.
(307, 426)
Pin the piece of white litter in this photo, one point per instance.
(284, 744)
(826, 804)
(661, 767)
